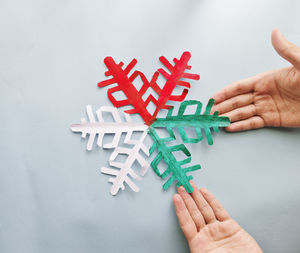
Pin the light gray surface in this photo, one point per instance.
(53, 197)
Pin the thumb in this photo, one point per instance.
(286, 49)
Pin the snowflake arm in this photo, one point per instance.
(197, 121)
(124, 83)
(174, 167)
(98, 127)
(124, 172)
(176, 72)
(134, 97)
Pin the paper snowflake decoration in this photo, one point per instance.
(123, 172)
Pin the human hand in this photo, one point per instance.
(268, 99)
(207, 226)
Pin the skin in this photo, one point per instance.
(268, 99)
(207, 226)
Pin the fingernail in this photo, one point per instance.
(180, 189)
(176, 196)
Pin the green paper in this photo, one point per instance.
(174, 167)
(180, 121)
(196, 121)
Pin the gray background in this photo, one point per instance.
(53, 197)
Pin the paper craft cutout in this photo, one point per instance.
(123, 172)
(93, 127)
(101, 128)
(174, 167)
(135, 98)
(196, 121)
(180, 121)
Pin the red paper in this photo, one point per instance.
(134, 97)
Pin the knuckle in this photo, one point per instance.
(254, 110)
(243, 127)
(196, 216)
(204, 207)
(240, 114)
(252, 124)
(239, 88)
(214, 202)
(235, 104)
(225, 93)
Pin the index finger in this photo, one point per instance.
(185, 220)
(235, 89)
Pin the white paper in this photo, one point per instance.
(93, 127)
(122, 172)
